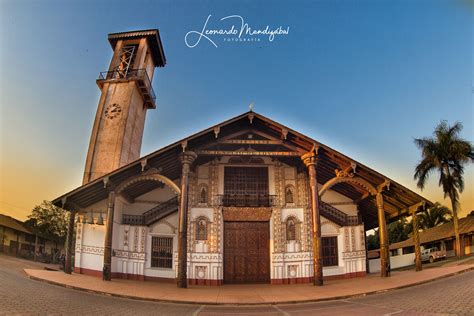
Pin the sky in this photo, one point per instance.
(363, 77)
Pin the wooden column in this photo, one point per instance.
(383, 237)
(310, 160)
(69, 242)
(107, 269)
(187, 159)
(416, 239)
(36, 247)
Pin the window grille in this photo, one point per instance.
(246, 186)
(330, 255)
(162, 252)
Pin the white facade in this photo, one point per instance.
(290, 260)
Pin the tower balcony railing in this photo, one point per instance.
(246, 200)
(140, 76)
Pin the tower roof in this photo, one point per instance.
(154, 42)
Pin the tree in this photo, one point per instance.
(447, 153)
(373, 241)
(434, 216)
(398, 231)
(49, 221)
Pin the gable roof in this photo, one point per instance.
(14, 224)
(445, 231)
(397, 199)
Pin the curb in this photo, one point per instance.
(334, 298)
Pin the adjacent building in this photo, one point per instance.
(18, 240)
(402, 253)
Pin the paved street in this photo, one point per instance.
(20, 295)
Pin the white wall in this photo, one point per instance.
(395, 262)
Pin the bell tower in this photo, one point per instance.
(126, 95)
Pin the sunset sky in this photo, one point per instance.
(363, 77)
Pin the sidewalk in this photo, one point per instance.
(246, 294)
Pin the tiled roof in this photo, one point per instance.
(12, 223)
(445, 231)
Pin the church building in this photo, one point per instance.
(248, 200)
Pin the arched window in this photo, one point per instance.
(289, 194)
(201, 229)
(291, 228)
(203, 195)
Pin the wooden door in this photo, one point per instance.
(246, 252)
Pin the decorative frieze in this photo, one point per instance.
(214, 184)
(205, 257)
(215, 231)
(92, 250)
(279, 183)
(142, 240)
(278, 231)
(135, 239)
(125, 236)
(295, 256)
(123, 254)
(346, 239)
(247, 214)
(359, 254)
(353, 239)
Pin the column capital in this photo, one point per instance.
(187, 157)
(311, 157)
(414, 208)
(384, 185)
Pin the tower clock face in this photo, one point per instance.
(113, 110)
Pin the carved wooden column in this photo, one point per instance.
(69, 240)
(107, 269)
(310, 160)
(383, 237)
(416, 239)
(187, 159)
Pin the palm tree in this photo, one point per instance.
(434, 216)
(447, 153)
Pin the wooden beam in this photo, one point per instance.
(251, 142)
(247, 153)
(127, 197)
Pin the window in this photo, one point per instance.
(467, 241)
(201, 229)
(291, 229)
(289, 194)
(246, 186)
(162, 252)
(449, 245)
(329, 251)
(408, 250)
(126, 60)
(30, 238)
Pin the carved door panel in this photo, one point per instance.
(246, 252)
